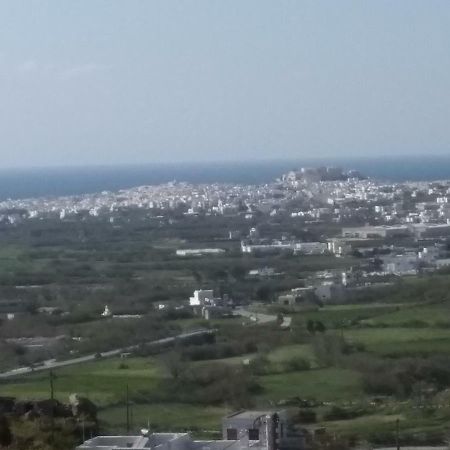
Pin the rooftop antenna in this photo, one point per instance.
(146, 431)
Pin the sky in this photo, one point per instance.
(114, 82)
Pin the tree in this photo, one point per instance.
(319, 327)
(311, 327)
(328, 349)
(197, 276)
(307, 416)
(264, 293)
(238, 272)
(5, 432)
(174, 365)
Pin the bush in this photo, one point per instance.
(338, 413)
(218, 383)
(329, 349)
(384, 382)
(5, 432)
(260, 365)
(297, 364)
(401, 376)
(307, 416)
(218, 350)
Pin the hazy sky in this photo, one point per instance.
(103, 82)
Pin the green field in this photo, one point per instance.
(288, 352)
(331, 384)
(101, 381)
(104, 382)
(162, 416)
(133, 267)
(396, 340)
(345, 315)
(415, 316)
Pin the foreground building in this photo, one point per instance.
(259, 430)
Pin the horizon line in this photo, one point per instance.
(187, 163)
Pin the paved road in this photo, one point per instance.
(262, 318)
(53, 364)
(257, 317)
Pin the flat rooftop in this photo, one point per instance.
(250, 414)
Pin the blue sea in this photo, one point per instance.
(38, 182)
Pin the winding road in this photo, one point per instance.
(53, 364)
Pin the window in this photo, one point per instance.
(231, 434)
(253, 434)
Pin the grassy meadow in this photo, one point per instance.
(383, 331)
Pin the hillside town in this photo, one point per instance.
(287, 302)
(406, 222)
(389, 230)
(312, 196)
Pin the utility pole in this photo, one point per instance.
(128, 411)
(52, 406)
(397, 438)
(131, 416)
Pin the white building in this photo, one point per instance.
(245, 430)
(262, 272)
(202, 297)
(275, 247)
(328, 290)
(401, 264)
(429, 254)
(427, 230)
(440, 263)
(106, 312)
(339, 247)
(381, 231)
(310, 248)
(199, 251)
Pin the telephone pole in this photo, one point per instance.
(397, 433)
(52, 406)
(128, 410)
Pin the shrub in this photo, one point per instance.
(307, 416)
(381, 383)
(218, 383)
(297, 364)
(329, 349)
(260, 365)
(338, 413)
